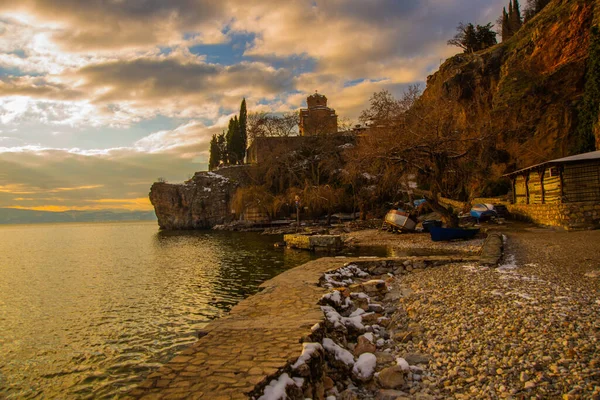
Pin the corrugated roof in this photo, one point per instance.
(592, 155)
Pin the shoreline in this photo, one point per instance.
(276, 332)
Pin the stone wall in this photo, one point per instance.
(576, 215)
(314, 242)
(580, 215)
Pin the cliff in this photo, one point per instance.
(525, 92)
(200, 203)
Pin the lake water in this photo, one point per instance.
(87, 310)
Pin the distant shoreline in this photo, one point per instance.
(19, 216)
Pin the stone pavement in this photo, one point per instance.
(259, 336)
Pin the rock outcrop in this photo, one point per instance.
(199, 203)
(524, 92)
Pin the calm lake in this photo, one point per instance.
(87, 310)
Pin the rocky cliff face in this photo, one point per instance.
(200, 203)
(525, 92)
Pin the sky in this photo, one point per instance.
(100, 98)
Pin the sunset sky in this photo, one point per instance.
(99, 98)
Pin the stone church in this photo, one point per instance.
(317, 119)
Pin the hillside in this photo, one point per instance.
(523, 93)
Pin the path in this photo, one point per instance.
(257, 338)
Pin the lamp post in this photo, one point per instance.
(297, 201)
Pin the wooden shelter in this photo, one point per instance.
(564, 180)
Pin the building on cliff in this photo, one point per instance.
(317, 119)
(563, 192)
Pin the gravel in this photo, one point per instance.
(528, 329)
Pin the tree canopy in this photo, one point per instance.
(472, 38)
(229, 148)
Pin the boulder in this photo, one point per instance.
(364, 345)
(392, 377)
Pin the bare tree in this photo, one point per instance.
(430, 144)
(269, 125)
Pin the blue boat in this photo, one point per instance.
(480, 211)
(445, 234)
(428, 223)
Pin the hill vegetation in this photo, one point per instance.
(490, 110)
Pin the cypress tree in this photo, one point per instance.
(515, 18)
(505, 25)
(243, 129)
(222, 145)
(234, 142)
(215, 154)
(510, 16)
(229, 136)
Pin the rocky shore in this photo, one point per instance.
(462, 330)
(410, 328)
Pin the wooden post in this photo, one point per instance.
(527, 188)
(513, 182)
(562, 183)
(542, 173)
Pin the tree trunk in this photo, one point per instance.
(448, 218)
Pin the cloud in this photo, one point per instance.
(162, 77)
(99, 25)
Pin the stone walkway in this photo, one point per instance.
(259, 336)
(256, 339)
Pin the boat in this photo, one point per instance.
(439, 234)
(400, 220)
(483, 210)
(428, 223)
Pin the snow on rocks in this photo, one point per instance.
(308, 349)
(338, 352)
(344, 276)
(276, 390)
(364, 367)
(402, 363)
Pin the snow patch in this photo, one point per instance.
(334, 297)
(339, 352)
(368, 176)
(402, 363)
(510, 263)
(276, 388)
(344, 276)
(358, 311)
(217, 176)
(365, 366)
(308, 349)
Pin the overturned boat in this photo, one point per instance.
(480, 211)
(400, 220)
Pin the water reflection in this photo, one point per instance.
(86, 310)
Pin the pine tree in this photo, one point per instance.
(485, 36)
(505, 25)
(243, 129)
(215, 154)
